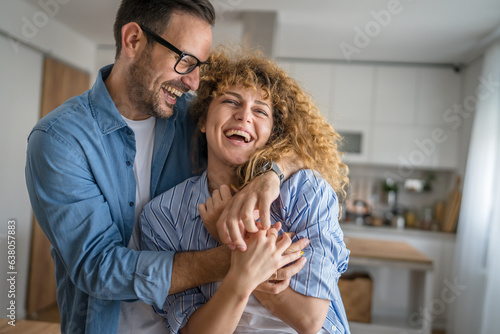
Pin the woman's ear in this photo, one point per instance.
(133, 39)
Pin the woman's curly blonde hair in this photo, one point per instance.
(299, 129)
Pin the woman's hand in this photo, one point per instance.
(212, 209)
(263, 257)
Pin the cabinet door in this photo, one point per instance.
(414, 147)
(352, 94)
(395, 94)
(315, 79)
(438, 90)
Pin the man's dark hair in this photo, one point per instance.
(155, 14)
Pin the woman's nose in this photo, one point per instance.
(244, 113)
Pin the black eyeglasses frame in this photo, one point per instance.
(160, 40)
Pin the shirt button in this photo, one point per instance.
(128, 163)
(131, 203)
(129, 132)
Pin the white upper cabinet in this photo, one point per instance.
(315, 79)
(395, 94)
(352, 94)
(413, 147)
(388, 114)
(438, 90)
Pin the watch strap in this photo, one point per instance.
(272, 166)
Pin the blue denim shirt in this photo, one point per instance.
(80, 178)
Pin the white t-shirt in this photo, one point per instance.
(138, 317)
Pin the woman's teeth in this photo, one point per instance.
(172, 90)
(240, 133)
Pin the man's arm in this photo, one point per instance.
(76, 217)
(192, 269)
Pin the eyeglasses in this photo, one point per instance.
(186, 63)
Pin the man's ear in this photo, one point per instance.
(133, 39)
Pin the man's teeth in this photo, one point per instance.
(243, 134)
(172, 90)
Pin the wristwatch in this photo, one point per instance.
(271, 165)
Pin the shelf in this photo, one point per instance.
(389, 230)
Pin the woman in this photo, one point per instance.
(248, 112)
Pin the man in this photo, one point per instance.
(97, 159)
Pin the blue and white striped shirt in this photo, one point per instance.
(307, 206)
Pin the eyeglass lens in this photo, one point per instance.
(186, 64)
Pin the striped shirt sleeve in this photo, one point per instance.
(310, 208)
(162, 226)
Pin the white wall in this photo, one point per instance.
(21, 70)
(34, 25)
(470, 82)
(20, 82)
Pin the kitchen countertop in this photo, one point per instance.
(393, 231)
(395, 253)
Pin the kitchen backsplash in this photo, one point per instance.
(382, 196)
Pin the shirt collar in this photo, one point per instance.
(201, 187)
(102, 106)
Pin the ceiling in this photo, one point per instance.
(423, 31)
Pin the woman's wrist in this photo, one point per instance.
(235, 283)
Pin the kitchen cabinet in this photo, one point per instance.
(395, 95)
(395, 112)
(314, 78)
(413, 147)
(438, 89)
(389, 306)
(352, 95)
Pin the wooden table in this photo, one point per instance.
(378, 253)
(29, 327)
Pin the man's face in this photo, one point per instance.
(152, 83)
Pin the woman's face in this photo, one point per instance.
(238, 123)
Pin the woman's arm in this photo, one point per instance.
(303, 313)
(262, 258)
(310, 209)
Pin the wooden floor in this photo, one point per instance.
(50, 314)
(29, 327)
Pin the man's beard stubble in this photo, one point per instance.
(144, 100)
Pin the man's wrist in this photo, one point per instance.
(221, 257)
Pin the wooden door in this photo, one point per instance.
(60, 82)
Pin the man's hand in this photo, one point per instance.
(212, 209)
(238, 215)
